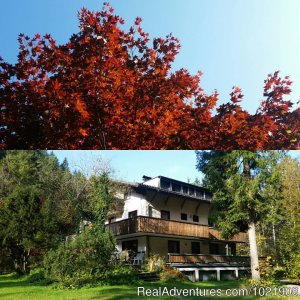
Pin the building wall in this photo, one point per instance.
(153, 182)
(176, 206)
(135, 201)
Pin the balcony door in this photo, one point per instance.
(214, 248)
(131, 246)
(165, 214)
(132, 220)
(195, 248)
(132, 214)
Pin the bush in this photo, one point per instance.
(293, 267)
(269, 275)
(120, 275)
(266, 271)
(170, 275)
(279, 273)
(154, 263)
(82, 261)
(37, 276)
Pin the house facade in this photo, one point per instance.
(170, 218)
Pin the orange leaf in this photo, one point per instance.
(81, 107)
(83, 132)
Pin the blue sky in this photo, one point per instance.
(234, 42)
(132, 165)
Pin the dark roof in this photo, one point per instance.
(145, 178)
(143, 187)
(185, 183)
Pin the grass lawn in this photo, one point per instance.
(12, 288)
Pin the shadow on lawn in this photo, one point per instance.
(13, 281)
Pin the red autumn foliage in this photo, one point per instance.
(109, 89)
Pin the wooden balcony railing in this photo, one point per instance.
(160, 226)
(208, 259)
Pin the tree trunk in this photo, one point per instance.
(25, 262)
(253, 251)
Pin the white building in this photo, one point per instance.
(170, 218)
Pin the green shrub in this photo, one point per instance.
(266, 267)
(154, 263)
(293, 267)
(82, 261)
(35, 275)
(279, 273)
(170, 275)
(120, 275)
(269, 275)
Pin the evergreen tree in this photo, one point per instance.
(288, 231)
(243, 183)
(65, 165)
(34, 193)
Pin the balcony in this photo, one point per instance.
(208, 259)
(143, 224)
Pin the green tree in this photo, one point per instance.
(288, 233)
(33, 194)
(243, 183)
(87, 257)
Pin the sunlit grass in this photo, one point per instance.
(13, 288)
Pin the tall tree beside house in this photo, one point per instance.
(243, 184)
(278, 231)
(107, 88)
(34, 193)
(88, 256)
(288, 230)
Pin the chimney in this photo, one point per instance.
(146, 178)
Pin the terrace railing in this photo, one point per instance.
(143, 224)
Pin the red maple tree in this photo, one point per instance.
(110, 89)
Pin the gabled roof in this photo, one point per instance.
(142, 188)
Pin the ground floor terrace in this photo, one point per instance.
(173, 248)
(199, 259)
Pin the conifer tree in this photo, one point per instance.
(35, 198)
(243, 184)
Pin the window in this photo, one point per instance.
(173, 247)
(213, 249)
(191, 191)
(210, 223)
(150, 211)
(183, 216)
(164, 214)
(164, 184)
(199, 194)
(131, 245)
(185, 189)
(195, 248)
(132, 214)
(176, 187)
(195, 218)
(208, 196)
